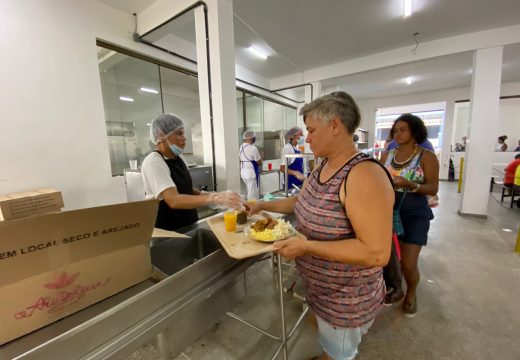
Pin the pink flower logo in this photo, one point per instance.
(63, 281)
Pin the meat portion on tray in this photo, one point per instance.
(263, 224)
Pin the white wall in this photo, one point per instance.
(460, 123)
(508, 122)
(52, 124)
(52, 130)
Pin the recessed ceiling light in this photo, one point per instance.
(126, 98)
(507, 230)
(407, 8)
(149, 90)
(257, 52)
(409, 80)
(148, 124)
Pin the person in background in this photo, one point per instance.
(501, 144)
(509, 176)
(518, 147)
(415, 172)
(294, 137)
(459, 147)
(166, 177)
(344, 212)
(250, 164)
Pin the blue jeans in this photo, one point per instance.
(340, 343)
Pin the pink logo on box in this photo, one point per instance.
(63, 281)
(63, 297)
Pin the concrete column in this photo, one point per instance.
(223, 99)
(447, 134)
(484, 112)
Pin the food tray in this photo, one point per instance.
(237, 244)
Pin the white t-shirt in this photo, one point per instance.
(287, 149)
(156, 176)
(248, 152)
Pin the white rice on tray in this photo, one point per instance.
(281, 230)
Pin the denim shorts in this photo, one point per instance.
(340, 343)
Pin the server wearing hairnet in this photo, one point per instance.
(250, 164)
(166, 177)
(295, 176)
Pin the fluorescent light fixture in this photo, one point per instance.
(149, 90)
(126, 98)
(257, 52)
(407, 8)
(409, 80)
(507, 230)
(148, 124)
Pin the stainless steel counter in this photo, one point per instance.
(197, 272)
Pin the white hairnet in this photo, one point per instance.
(163, 125)
(292, 132)
(248, 134)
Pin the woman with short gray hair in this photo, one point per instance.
(345, 214)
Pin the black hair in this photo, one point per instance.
(517, 156)
(503, 138)
(416, 125)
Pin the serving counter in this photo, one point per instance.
(195, 284)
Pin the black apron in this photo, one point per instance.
(173, 219)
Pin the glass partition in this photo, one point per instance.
(180, 93)
(290, 117)
(255, 119)
(131, 98)
(136, 90)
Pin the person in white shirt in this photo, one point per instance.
(294, 137)
(166, 177)
(250, 164)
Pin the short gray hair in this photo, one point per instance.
(338, 104)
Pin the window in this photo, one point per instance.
(432, 119)
(135, 90)
(269, 120)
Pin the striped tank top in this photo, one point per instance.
(343, 295)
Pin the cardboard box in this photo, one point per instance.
(56, 264)
(31, 202)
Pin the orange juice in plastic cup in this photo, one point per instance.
(230, 220)
(251, 201)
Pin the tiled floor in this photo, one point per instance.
(469, 300)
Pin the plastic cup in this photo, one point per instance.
(270, 166)
(133, 164)
(230, 220)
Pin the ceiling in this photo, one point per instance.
(445, 72)
(302, 34)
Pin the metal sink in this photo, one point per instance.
(172, 255)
